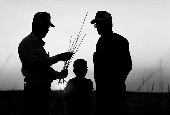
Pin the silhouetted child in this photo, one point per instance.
(79, 90)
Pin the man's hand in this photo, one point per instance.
(64, 73)
(60, 75)
(65, 56)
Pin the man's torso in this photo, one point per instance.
(110, 56)
(32, 73)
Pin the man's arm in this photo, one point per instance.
(34, 58)
(127, 58)
(45, 61)
(58, 75)
(123, 62)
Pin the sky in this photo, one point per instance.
(143, 23)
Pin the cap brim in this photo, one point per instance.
(52, 25)
(95, 20)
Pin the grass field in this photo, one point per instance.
(11, 103)
(147, 103)
(136, 103)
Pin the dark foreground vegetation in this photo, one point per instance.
(147, 103)
(11, 103)
(136, 103)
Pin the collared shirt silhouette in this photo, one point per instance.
(79, 90)
(35, 61)
(36, 66)
(112, 64)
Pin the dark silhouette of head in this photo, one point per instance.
(41, 23)
(80, 68)
(103, 22)
(104, 27)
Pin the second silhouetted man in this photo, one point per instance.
(112, 64)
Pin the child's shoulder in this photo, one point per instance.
(86, 80)
(89, 80)
(80, 81)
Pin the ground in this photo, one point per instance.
(135, 104)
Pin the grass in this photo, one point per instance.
(137, 103)
(150, 102)
(11, 103)
(145, 103)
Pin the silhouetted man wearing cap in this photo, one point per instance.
(112, 64)
(36, 67)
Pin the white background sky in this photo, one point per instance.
(145, 24)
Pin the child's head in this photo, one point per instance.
(80, 67)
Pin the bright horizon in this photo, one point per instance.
(143, 23)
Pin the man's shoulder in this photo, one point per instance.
(25, 41)
(119, 37)
(117, 40)
(113, 38)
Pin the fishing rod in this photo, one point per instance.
(73, 48)
(74, 45)
(78, 36)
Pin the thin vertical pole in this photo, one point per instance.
(152, 86)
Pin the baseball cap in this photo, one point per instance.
(43, 17)
(100, 15)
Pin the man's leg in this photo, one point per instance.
(100, 96)
(29, 100)
(43, 97)
(36, 99)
